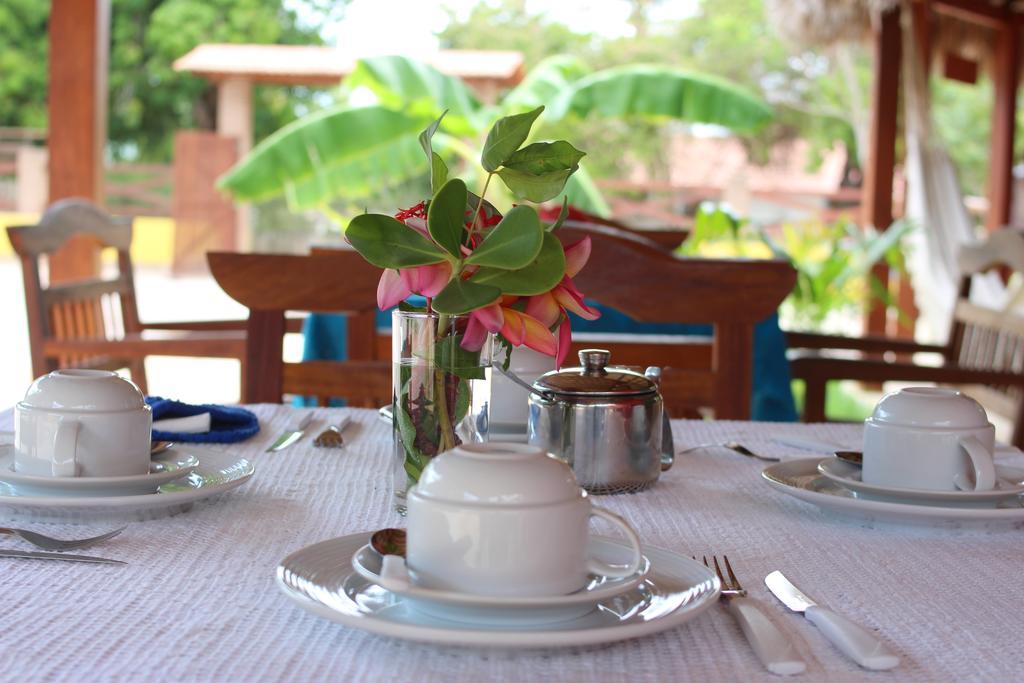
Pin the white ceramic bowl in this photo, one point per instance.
(504, 519)
(82, 423)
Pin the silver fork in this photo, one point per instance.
(732, 446)
(49, 543)
(770, 644)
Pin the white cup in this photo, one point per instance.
(509, 407)
(929, 438)
(82, 423)
(507, 520)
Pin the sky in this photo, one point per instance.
(413, 24)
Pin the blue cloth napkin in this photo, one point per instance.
(228, 424)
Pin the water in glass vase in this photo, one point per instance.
(440, 395)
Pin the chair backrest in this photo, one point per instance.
(337, 282)
(86, 309)
(649, 284)
(986, 337)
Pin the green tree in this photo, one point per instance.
(148, 99)
(23, 63)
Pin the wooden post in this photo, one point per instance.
(77, 109)
(234, 120)
(1006, 71)
(878, 176)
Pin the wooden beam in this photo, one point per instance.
(878, 176)
(1005, 74)
(975, 12)
(77, 108)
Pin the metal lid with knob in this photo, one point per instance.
(595, 378)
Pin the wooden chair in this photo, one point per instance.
(649, 284)
(985, 348)
(95, 323)
(333, 282)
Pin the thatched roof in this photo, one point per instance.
(824, 22)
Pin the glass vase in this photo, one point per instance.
(440, 392)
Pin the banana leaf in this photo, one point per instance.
(662, 93)
(420, 90)
(306, 160)
(544, 83)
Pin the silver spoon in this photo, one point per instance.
(158, 447)
(48, 543)
(389, 542)
(852, 457)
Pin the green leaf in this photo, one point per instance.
(562, 215)
(300, 155)
(539, 171)
(544, 82)
(438, 169)
(538, 277)
(535, 188)
(505, 137)
(463, 296)
(512, 243)
(387, 243)
(418, 89)
(544, 157)
(446, 217)
(451, 357)
(662, 92)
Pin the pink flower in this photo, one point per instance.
(517, 327)
(399, 285)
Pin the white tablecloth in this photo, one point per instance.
(198, 600)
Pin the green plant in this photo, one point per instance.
(833, 260)
(352, 151)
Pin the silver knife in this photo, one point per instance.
(292, 433)
(854, 641)
(37, 555)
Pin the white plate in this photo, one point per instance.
(165, 468)
(1009, 484)
(801, 479)
(216, 473)
(319, 579)
(469, 607)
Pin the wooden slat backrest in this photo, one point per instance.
(989, 338)
(649, 284)
(89, 309)
(338, 282)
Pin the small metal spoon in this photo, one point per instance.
(389, 542)
(852, 457)
(158, 447)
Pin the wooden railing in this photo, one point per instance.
(140, 189)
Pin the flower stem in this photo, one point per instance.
(480, 204)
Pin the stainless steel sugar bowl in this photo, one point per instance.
(607, 423)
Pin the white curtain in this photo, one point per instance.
(934, 203)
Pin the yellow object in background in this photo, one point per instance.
(152, 238)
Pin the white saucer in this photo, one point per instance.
(167, 467)
(539, 609)
(801, 479)
(215, 473)
(1009, 484)
(319, 580)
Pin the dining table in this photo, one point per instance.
(198, 599)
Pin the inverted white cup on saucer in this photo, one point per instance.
(82, 423)
(509, 406)
(505, 519)
(929, 438)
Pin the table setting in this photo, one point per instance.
(589, 536)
